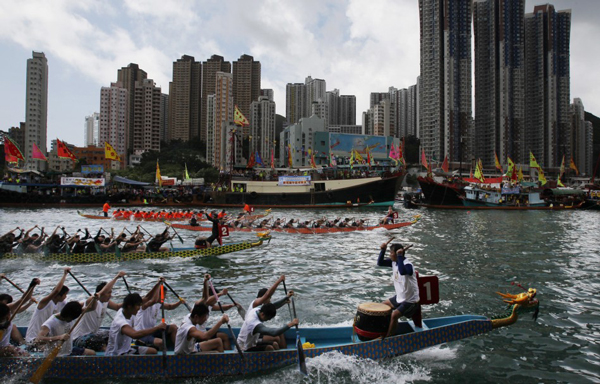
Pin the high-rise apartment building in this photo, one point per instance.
(581, 141)
(210, 68)
(246, 84)
(499, 80)
(315, 91)
(36, 110)
(445, 100)
(185, 99)
(547, 83)
(222, 114)
(92, 127)
(113, 119)
(295, 102)
(146, 129)
(268, 93)
(17, 134)
(128, 76)
(320, 108)
(262, 122)
(342, 108)
(164, 116)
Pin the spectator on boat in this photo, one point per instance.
(122, 333)
(194, 337)
(106, 208)
(264, 297)
(87, 334)
(49, 305)
(254, 336)
(406, 301)
(148, 315)
(57, 328)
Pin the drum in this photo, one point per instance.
(372, 320)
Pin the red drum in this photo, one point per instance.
(372, 320)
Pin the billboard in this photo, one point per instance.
(82, 181)
(90, 168)
(341, 144)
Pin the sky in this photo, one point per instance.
(357, 46)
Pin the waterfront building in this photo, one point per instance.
(210, 68)
(185, 99)
(113, 119)
(36, 110)
(95, 155)
(348, 129)
(445, 97)
(320, 108)
(547, 83)
(91, 129)
(262, 125)
(60, 164)
(300, 137)
(246, 84)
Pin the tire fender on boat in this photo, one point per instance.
(253, 195)
(283, 196)
(330, 195)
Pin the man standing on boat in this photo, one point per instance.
(406, 301)
(105, 208)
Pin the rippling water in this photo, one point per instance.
(473, 253)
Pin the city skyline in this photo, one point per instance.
(353, 47)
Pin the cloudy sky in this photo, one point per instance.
(357, 46)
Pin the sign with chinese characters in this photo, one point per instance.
(82, 181)
(287, 181)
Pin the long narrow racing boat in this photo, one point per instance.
(318, 341)
(306, 231)
(119, 256)
(159, 219)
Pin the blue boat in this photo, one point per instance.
(409, 338)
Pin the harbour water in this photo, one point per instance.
(474, 254)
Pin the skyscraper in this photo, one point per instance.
(92, 126)
(210, 68)
(36, 109)
(113, 118)
(446, 78)
(547, 83)
(262, 122)
(128, 76)
(146, 130)
(246, 83)
(222, 114)
(295, 102)
(185, 98)
(164, 116)
(499, 80)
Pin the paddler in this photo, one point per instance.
(106, 208)
(406, 301)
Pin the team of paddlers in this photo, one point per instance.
(136, 328)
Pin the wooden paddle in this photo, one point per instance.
(16, 311)
(47, 363)
(126, 285)
(16, 286)
(86, 291)
(164, 331)
(170, 226)
(241, 310)
(237, 346)
(301, 358)
(176, 295)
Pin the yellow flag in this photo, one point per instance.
(559, 183)
(498, 166)
(158, 177)
(532, 162)
(239, 118)
(573, 167)
(358, 157)
(521, 178)
(479, 171)
(110, 153)
(541, 176)
(511, 168)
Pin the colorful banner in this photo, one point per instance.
(341, 144)
(82, 181)
(90, 168)
(286, 181)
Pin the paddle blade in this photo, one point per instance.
(46, 364)
(301, 357)
(242, 313)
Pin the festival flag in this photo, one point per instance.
(562, 168)
(258, 159)
(251, 161)
(186, 174)
(332, 160)
(11, 148)
(541, 176)
(423, 158)
(445, 166)
(393, 154)
(37, 154)
(239, 118)
(520, 174)
(290, 159)
(532, 162)
(479, 171)
(10, 159)
(352, 158)
(368, 157)
(358, 158)
(313, 164)
(63, 151)
(272, 158)
(573, 167)
(400, 153)
(158, 176)
(498, 165)
(511, 173)
(559, 183)
(110, 153)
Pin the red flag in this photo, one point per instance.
(11, 148)
(9, 158)
(37, 154)
(63, 151)
(445, 166)
(424, 159)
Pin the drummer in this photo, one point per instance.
(406, 301)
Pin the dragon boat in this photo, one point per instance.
(161, 219)
(316, 341)
(306, 231)
(120, 256)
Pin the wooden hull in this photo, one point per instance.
(113, 257)
(97, 217)
(501, 207)
(306, 231)
(341, 339)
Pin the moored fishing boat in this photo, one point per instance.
(305, 230)
(318, 341)
(119, 256)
